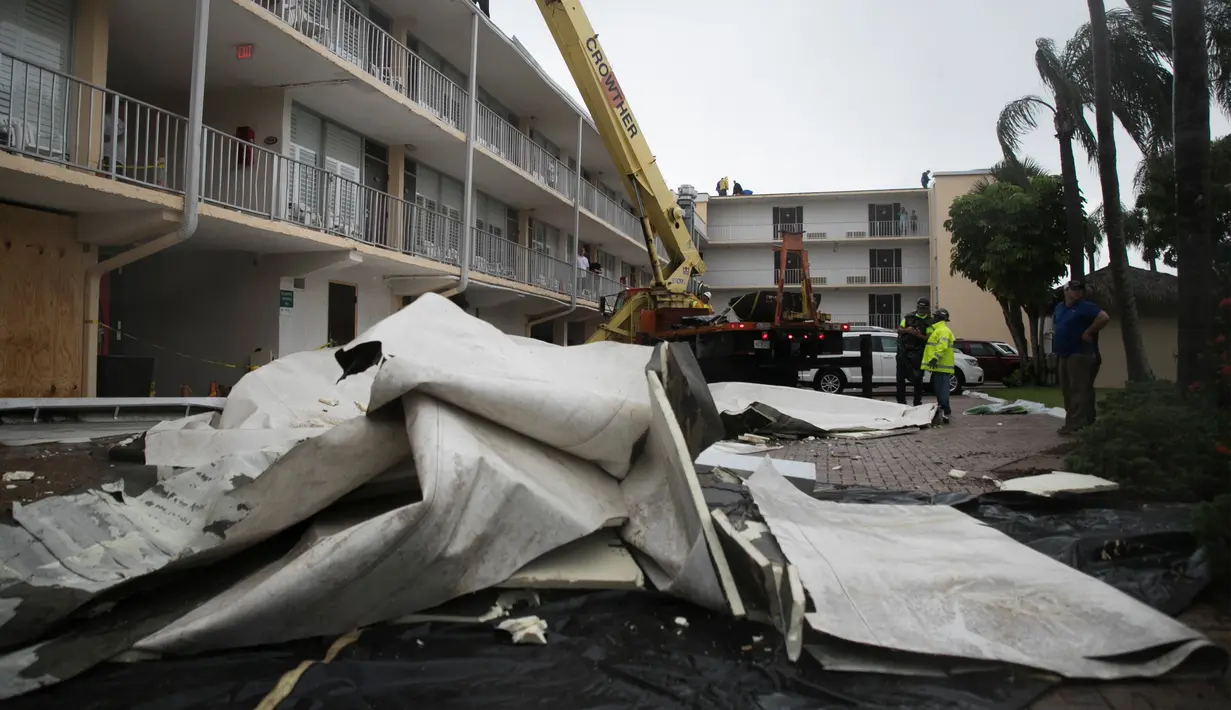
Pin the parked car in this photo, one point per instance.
(884, 367)
(998, 360)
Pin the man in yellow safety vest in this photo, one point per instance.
(938, 360)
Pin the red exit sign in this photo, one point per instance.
(243, 51)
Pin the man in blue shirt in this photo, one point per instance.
(1076, 324)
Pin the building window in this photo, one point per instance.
(885, 266)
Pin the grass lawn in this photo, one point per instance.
(1046, 395)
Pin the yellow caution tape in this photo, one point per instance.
(286, 684)
(172, 351)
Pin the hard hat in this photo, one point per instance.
(942, 314)
(924, 303)
(705, 295)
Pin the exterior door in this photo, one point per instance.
(342, 318)
(884, 309)
(344, 158)
(885, 266)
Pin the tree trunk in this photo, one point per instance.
(1013, 320)
(1036, 345)
(1093, 260)
(1072, 196)
(1154, 265)
(1138, 365)
(1194, 216)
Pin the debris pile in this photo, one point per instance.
(422, 499)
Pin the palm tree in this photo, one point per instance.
(1136, 235)
(1194, 215)
(1067, 108)
(1138, 365)
(1155, 21)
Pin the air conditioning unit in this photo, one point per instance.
(856, 280)
(818, 280)
(816, 235)
(856, 235)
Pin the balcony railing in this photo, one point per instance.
(351, 36)
(348, 34)
(597, 203)
(820, 231)
(880, 320)
(820, 278)
(500, 137)
(55, 117)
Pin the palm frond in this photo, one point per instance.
(1141, 80)
(1017, 118)
(1016, 171)
(1218, 35)
(1055, 74)
(1154, 17)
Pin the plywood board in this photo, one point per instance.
(42, 281)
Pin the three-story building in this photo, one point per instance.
(352, 155)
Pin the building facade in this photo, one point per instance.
(352, 155)
(871, 254)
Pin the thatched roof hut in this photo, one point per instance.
(1157, 294)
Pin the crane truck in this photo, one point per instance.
(738, 344)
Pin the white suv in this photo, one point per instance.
(884, 367)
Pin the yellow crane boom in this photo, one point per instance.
(622, 136)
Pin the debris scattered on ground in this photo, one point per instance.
(954, 473)
(12, 476)
(1049, 484)
(462, 488)
(526, 629)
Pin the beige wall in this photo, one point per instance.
(1160, 336)
(975, 313)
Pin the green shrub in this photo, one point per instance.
(1157, 444)
(1013, 379)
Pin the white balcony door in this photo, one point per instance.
(34, 103)
(304, 195)
(344, 158)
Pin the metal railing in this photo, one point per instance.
(502, 138)
(55, 117)
(820, 278)
(496, 256)
(818, 231)
(597, 203)
(888, 321)
(350, 35)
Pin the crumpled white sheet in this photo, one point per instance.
(518, 448)
(932, 580)
(827, 412)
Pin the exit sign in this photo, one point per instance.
(243, 51)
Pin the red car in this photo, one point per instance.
(998, 360)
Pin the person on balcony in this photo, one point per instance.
(902, 223)
(583, 262)
(914, 222)
(722, 186)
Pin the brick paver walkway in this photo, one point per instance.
(978, 445)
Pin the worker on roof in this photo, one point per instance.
(739, 189)
(938, 360)
(722, 186)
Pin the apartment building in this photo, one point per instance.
(352, 155)
(871, 254)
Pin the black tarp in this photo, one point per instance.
(624, 649)
(606, 650)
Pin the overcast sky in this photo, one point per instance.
(820, 95)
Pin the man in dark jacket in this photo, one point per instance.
(912, 337)
(1076, 323)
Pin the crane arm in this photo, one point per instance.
(622, 136)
